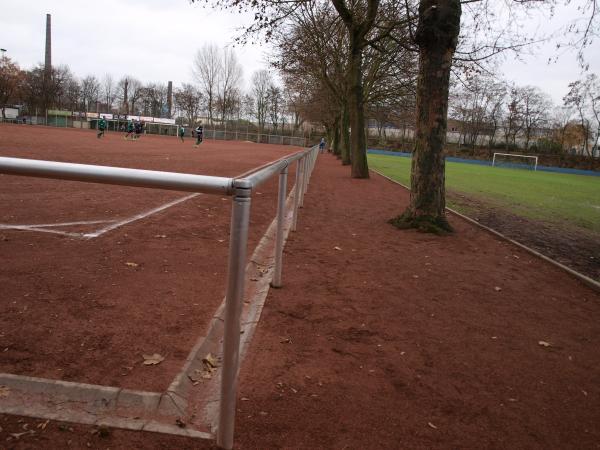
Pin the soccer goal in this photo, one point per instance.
(515, 161)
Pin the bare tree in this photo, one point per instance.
(536, 108)
(229, 78)
(188, 100)
(275, 105)
(206, 69)
(108, 91)
(578, 99)
(261, 83)
(10, 79)
(90, 91)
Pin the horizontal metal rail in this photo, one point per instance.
(117, 175)
(262, 175)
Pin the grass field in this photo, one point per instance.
(551, 197)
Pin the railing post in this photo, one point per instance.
(240, 218)
(297, 194)
(276, 282)
(304, 177)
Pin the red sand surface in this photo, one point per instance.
(383, 338)
(75, 309)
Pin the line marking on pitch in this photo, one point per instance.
(41, 230)
(7, 226)
(114, 224)
(143, 215)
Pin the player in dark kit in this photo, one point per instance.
(101, 127)
(199, 135)
(129, 129)
(138, 130)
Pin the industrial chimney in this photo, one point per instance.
(48, 60)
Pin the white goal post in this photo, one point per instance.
(533, 159)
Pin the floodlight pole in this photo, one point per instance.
(240, 219)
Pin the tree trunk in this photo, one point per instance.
(437, 35)
(358, 144)
(345, 134)
(335, 144)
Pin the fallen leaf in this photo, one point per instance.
(432, 425)
(25, 433)
(131, 264)
(497, 288)
(210, 361)
(221, 240)
(180, 423)
(160, 236)
(337, 248)
(43, 425)
(544, 344)
(4, 391)
(245, 399)
(264, 413)
(152, 360)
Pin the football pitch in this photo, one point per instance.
(550, 197)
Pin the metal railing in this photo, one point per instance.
(241, 191)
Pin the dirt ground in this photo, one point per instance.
(574, 247)
(87, 310)
(382, 338)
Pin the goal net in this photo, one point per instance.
(514, 161)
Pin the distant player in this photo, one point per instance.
(101, 127)
(322, 145)
(138, 130)
(199, 135)
(181, 132)
(129, 129)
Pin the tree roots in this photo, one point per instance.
(424, 224)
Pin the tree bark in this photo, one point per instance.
(335, 141)
(345, 134)
(358, 144)
(437, 35)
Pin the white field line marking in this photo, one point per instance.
(41, 230)
(7, 226)
(143, 215)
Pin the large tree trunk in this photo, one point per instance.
(437, 35)
(358, 144)
(335, 141)
(345, 134)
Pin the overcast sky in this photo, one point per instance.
(155, 40)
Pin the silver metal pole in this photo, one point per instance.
(276, 283)
(240, 219)
(305, 178)
(296, 195)
(116, 175)
(302, 180)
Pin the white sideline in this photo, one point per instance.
(44, 228)
(143, 215)
(41, 230)
(7, 226)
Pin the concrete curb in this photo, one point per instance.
(581, 277)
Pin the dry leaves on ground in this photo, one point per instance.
(152, 360)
